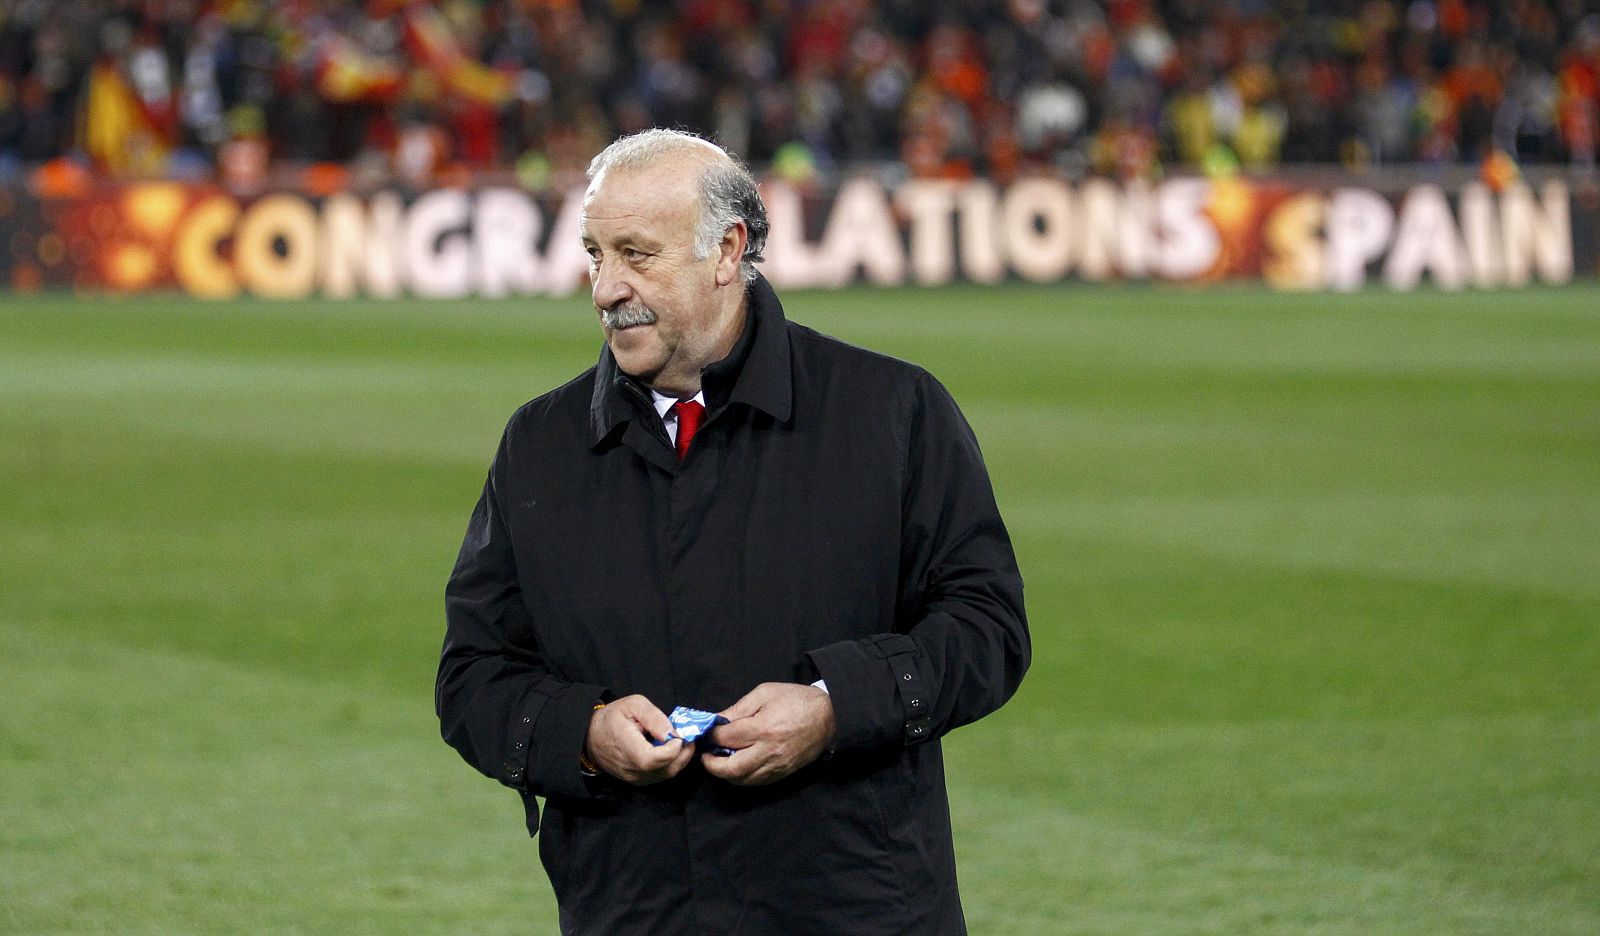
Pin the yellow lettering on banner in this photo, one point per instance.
(1098, 248)
(344, 245)
(1358, 228)
(1118, 230)
(861, 234)
(1426, 240)
(275, 248)
(791, 262)
(358, 245)
(1294, 250)
(200, 270)
(930, 205)
(566, 265)
(1537, 236)
(978, 211)
(1480, 234)
(1037, 218)
(505, 244)
(1190, 245)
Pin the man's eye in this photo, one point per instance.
(631, 255)
(593, 252)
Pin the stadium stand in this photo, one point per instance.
(178, 88)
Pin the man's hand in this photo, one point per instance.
(776, 729)
(619, 742)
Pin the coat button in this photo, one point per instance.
(906, 677)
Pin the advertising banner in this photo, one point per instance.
(500, 241)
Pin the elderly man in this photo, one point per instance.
(734, 513)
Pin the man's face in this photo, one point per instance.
(661, 309)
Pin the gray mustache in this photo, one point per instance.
(625, 316)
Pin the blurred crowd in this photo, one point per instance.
(416, 88)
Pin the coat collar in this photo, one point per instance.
(761, 375)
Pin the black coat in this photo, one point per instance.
(833, 518)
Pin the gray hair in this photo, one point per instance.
(727, 190)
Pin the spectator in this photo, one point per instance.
(963, 88)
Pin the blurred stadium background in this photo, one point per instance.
(1279, 323)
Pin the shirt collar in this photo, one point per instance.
(761, 375)
(665, 403)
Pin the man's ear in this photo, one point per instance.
(730, 253)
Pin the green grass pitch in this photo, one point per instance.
(1314, 583)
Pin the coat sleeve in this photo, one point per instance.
(960, 644)
(498, 703)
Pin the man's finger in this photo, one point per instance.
(753, 767)
(737, 734)
(651, 720)
(647, 763)
(736, 766)
(681, 760)
(741, 732)
(656, 756)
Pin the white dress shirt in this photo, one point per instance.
(669, 416)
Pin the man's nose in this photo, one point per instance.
(609, 284)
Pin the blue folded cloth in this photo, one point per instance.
(690, 724)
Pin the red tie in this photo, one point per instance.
(689, 413)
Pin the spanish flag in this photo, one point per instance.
(431, 41)
(116, 132)
(346, 73)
